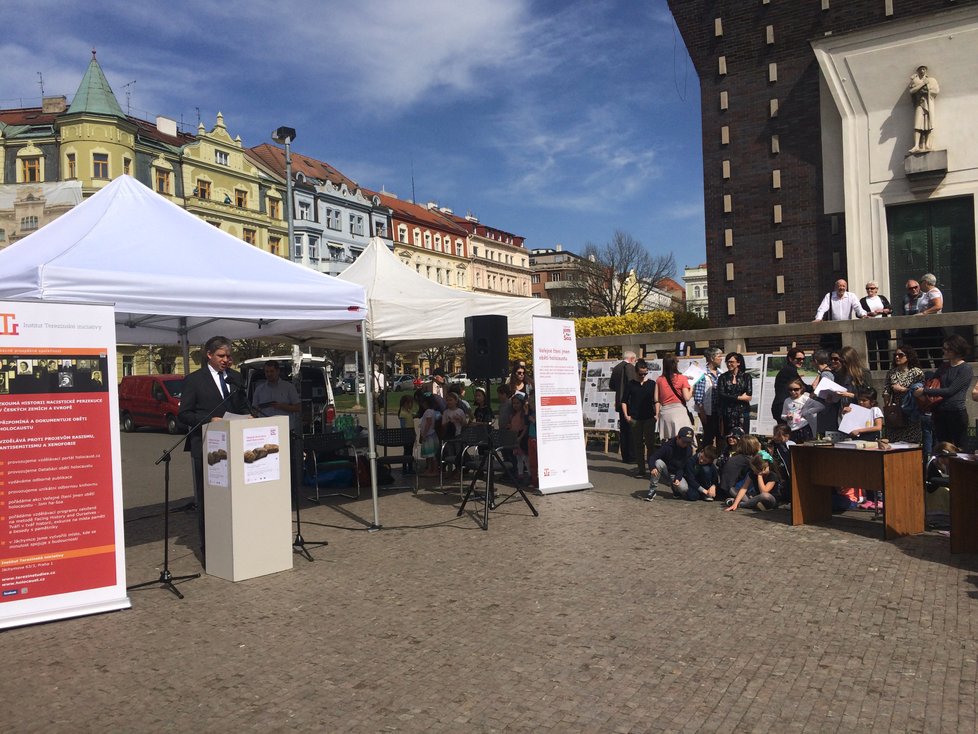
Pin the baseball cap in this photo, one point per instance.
(685, 432)
(438, 372)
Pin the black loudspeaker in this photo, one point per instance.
(486, 347)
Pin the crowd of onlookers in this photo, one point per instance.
(441, 414)
(922, 401)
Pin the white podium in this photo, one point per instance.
(247, 497)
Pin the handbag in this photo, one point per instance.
(893, 415)
(927, 403)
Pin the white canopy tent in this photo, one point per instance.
(408, 311)
(174, 278)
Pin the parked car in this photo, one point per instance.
(150, 400)
(314, 386)
(460, 378)
(402, 383)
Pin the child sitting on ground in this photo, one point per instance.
(730, 447)
(735, 471)
(780, 450)
(702, 476)
(763, 488)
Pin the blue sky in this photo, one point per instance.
(558, 121)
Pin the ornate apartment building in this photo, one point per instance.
(92, 141)
(500, 263)
(429, 241)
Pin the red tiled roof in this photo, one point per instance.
(274, 157)
(420, 214)
(668, 284)
(27, 116)
(482, 229)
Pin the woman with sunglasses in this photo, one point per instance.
(519, 381)
(900, 379)
(735, 388)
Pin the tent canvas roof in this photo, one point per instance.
(159, 264)
(408, 311)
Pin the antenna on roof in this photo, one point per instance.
(198, 115)
(128, 88)
(40, 80)
(414, 196)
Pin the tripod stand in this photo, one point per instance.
(300, 545)
(493, 456)
(166, 578)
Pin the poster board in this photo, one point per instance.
(62, 549)
(561, 447)
(598, 408)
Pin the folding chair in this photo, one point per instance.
(331, 444)
(396, 438)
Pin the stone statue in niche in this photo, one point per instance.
(923, 89)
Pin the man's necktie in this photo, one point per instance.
(224, 385)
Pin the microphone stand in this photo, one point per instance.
(299, 545)
(166, 578)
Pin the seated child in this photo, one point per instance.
(735, 471)
(702, 477)
(763, 488)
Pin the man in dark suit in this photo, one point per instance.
(621, 375)
(209, 393)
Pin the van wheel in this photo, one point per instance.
(127, 423)
(172, 425)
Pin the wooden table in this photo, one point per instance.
(897, 472)
(964, 506)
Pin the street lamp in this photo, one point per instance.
(285, 136)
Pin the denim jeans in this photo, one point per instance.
(666, 478)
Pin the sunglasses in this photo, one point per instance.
(899, 354)
(799, 359)
(914, 288)
(871, 288)
(835, 359)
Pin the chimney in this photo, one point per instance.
(166, 126)
(432, 205)
(560, 247)
(56, 105)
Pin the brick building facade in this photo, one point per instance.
(774, 241)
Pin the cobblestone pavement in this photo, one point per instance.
(604, 614)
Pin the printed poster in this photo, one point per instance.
(262, 452)
(62, 551)
(561, 450)
(599, 399)
(217, 458)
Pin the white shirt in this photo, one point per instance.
(843, 309)
(926, 298)
(874, 303)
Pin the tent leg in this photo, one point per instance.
(371, 445)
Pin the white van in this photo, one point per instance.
(315, 387)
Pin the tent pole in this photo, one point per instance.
(185, 345)
(371, 445)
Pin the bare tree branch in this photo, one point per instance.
(620, 276)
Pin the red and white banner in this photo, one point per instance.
(62, 552)
(561, 448)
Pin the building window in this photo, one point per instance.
(314, 248)
(459, 248)
(127, 166)
(162, 181)
(427, 240)
(127, 365)
(274, 208)
(475, 251)
(240, 198)
(401, 233)
(100, 165)
(556, 277)
(305, 211)
(356, 224)
(3, 235)
(438, 242)
(380, 228)
(334, 219)
(72, 168)
(250, 236)
(297, 249)
(416, 237)
(31, 169)
(221, 158)
(203, 188)
(535, 278)
(28, 223)
(274, 244)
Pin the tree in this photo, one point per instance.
(619, 277)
